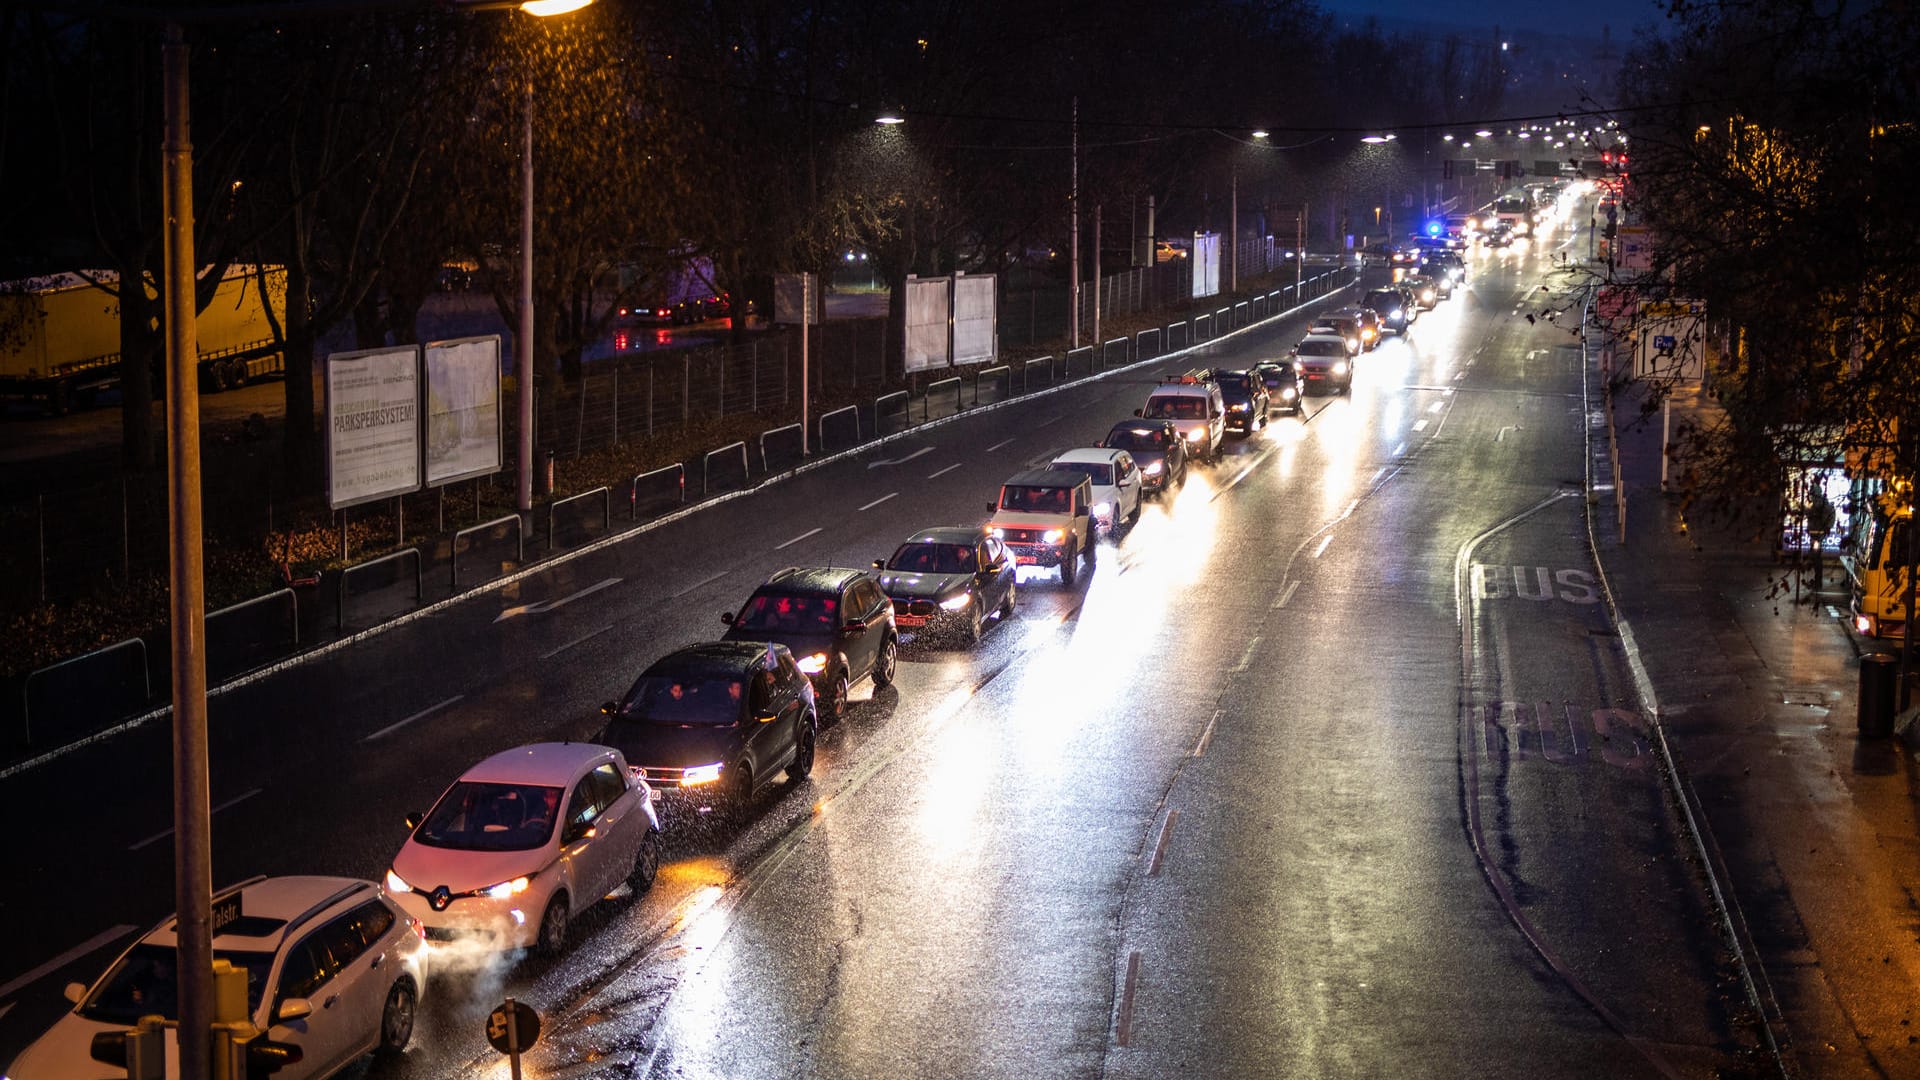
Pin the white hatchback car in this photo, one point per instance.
(524, 840)
(1117, 483)
(345, 965)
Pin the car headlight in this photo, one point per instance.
(1289, 393)
(1353, 343)
(1054, 536)
(1397, 313)
(998, 533)
(814, 664)
(1339, 367)
(1102, 509)
(1426, 294)
(1236, 408)
(397, 884)
(1151, 468)
(700, 774)
(956, 603)
(507, 888)
(1196, 434)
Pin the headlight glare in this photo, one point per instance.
(956, 603)
(507, 888)
(1340, 367)
(1151, 468)
(1196, 434)
(700, 774)
(1054, 536)
(814, 664)
(397, 884)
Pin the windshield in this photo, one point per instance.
(1137, 438)
(1383, 300)
(145, 982)
(1234, 381)
(1276, 376)
(1037, 500)
(1322, 348)
(1176, 408)
(788, 613)
(933, 559)
(478, 816)
(664, 699)
(1510, 205)
(1095, 471)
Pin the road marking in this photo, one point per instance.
(1243, 473)
(901, 461)
(1458, 375)
(229, 804)
(582, 638)
(5, 1009)
(878, 501)
(1051, 419)
(1377, 474)
(422, 714)
(799, 538)
(1436, 406)
(1286, 594)
(1501, 435)
(709, 579)
(1124, 1030)
(1321, 548)
(542, 606)
(943, 472)
(1420, 425)
(102, 938)
(1401, 449)
(1206, 736)
(1246, 657)
(1160, 849)
(999, 444)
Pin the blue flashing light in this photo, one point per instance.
(1434, 227)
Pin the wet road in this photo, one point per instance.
(1330, 768)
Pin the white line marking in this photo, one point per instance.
(901, 461)
(5, 1009)
(1246, 656)
(1377, 474)
(422, 714)
(1206, 736)
(230, 803)
(708, 580)
(1160, 849)
(1401, 449)
(943, 472)
(1458, 375)
(548, 605)
(1286, 594)
(878, 501)
(1436, 406)
(999, 444)
(799, 538)
(582, 638)
(1124, 1030)
(1321, 548)
(1348, 512)
(1420, 425)
(1051, 419)
(102, 938)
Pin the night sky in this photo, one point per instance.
(1584, 19)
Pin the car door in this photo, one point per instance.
(1000, 573)
(770, 740)
(1126, 479)
(623, 822)
(331, 967)
(585, 858)
(860, 604)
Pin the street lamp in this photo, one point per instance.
(889, 118)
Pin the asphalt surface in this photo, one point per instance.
(1329, 768)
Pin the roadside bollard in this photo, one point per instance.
(549, 474)
(1878, 679)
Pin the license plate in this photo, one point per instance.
(909, 620)
(1025, 560)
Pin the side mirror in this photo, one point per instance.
(992, 507)
(1139, 412)
(293, 1009)
(75, 991)
(727, 617)
(879, 564)
(607, 708)
(854, 626)
(414, 819)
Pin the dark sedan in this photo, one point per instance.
(1283, 385)
(716, 722)
(1156, 447)
(838, 622)
(1246, 398)
(948, 581)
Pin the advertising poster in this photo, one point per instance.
(976, 337)
(927, 330)
(463, 409)
(373, 425)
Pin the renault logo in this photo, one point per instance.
(440, 898)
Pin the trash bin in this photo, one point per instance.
(1879, 675)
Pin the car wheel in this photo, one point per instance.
(1006, 606)
(396, 1020)
(740, 792)
(1134, 518)
(1092, 550)
(835, 702)
(1069, 563)
(802, 763)
(646, 863)
(886, 664)
(970, 630)
(553, 927)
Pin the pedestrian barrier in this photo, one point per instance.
(1001, 379)
(76, 697)
(392, 564)
(1111, 357)
(1146, 344)
(939, 389)
(1039, 365)
(1079, 362)
(1202, 328)
(243, 636)
(731, 475)
(476, 538)
(567, 514)
(840, 429)
(1178, 335)
(657, 490)
(1240, 312)
(892, 413)
(787, 449)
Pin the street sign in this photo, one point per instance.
(226, 911)
(520, 1035)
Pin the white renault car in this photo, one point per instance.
(525, 840)
(1117, 483)
(333, 967)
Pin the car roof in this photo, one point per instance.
(549, 764)
(945, 534)
(1091, 455)
(1335, 338)
(272, 908)
(1043, 478)
(1139, 421)
(1184, 390)
(811, 579)
(1353, 312)
(710, 658)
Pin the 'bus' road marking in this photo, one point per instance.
(1321, 548)
(1246, 656)
(422, 714)
(105, 937)
(943, 472)
(1206, 735)
(1160, 849)
(900, 461)
(1124, 1031)
(1286, 594)
(708, 580)
(542, 606)
(1420, 424)
(999, 444)
(229, 804)
(589, 636)
(878, 501)
(799, 538)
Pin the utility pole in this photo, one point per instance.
(1233, 233)
(192, 839)
(1073, 202)
(523, 337)
(1096, 275)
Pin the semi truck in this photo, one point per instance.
(60, 336)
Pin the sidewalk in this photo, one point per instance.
(1812, 827)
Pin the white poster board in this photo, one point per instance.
(373, 425)
(463, 409)
(976, 321)
(1206, 264)
(927, 315)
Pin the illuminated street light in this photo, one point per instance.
(1260, 133)
(552, 7)
(1373, 140)
(1446, 138)
(889, 118)
(1483, 133)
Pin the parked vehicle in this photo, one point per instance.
(838, 622)
(1046, 519)
(949, 581)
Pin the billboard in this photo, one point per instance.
(976, 327)
(927, 313)
(1205, 261)
(373, 425)
(463, 409)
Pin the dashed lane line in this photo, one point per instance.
(1123, 1029)
(923, 451)
(999, 445)
(228, 805)
(943, 472)
(1286, 594)
(421, 715)
(878, 501)
(708, 580)
(1420, 425)
(797, 539)
(1206, 734)
(104, 937)
(1246, 655)
(582, 639)
(1160, 848)
(1321, 548)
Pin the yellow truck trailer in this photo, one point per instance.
(60, 335)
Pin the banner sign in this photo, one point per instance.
(976, 336)
(373, 425)
(1206, 264)
(927, 315)
(463, 409)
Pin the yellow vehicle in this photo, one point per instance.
(1878, 573)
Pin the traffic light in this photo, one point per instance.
(141, 1049)
(266, 1057)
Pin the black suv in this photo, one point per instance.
(1282, 383)
(1156, 446)
(948, 581)
(1395, 309)
(838, 622)
(720, 719)
(1246, 398)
